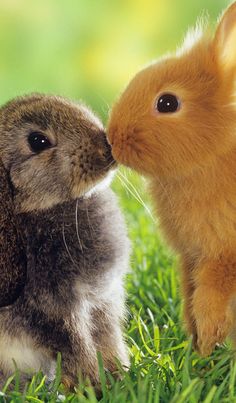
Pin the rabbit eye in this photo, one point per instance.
(38, 142)
(167, 103)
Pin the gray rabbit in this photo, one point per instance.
(77, 250)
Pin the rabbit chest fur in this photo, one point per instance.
(73, 300)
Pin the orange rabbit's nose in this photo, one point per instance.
(114, 140)
(112, 134)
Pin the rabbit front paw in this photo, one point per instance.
(69, 382)
(213, 318)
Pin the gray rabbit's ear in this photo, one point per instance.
(225, 40)
(12, 255)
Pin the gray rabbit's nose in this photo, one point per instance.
(107, 150)
(104, 150)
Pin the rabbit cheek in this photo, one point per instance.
(131, 148)
(33, 186)
(84, 178)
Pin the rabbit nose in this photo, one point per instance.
(110, 140)
(103, 148)
(105, 152)
(111, 136)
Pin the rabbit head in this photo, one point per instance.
(54, 150)
(179, 113)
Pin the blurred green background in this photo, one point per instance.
(88, 49)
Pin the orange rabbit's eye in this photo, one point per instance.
(167, 103)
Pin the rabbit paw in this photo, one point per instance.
(69, 382)
(212, 331)
(214, 320)
(189, 321)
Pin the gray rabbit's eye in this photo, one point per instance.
(38, 142)
(167, 103)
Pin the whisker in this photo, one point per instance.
(165, 191)
(77, 226)
(105, 107)
(106, 167)
(133, 191)
(157, 178)
(92, 233)
(64, 240)
(91, 229)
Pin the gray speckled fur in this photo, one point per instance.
(77, 253)
(61, 268)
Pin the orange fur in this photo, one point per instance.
(190, 159)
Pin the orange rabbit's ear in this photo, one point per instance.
(225, 40)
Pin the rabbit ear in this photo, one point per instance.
(12, 255)
(225, 40)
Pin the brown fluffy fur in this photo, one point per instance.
(190, 158)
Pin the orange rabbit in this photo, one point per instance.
(176, 124)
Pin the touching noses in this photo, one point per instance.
(110, 136)
(103, 148)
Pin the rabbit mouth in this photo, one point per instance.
(122, 153)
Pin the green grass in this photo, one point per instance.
(164, 368)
